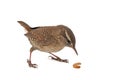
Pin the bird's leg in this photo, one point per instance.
(58, 58)
(29, 60)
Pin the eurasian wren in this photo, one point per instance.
(49, 39)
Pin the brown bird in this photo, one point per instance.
(49, 39)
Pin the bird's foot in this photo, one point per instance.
(32, 65)
(58, 59)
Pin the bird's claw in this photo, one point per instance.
(65, 60)
(32, 65)
(59, 59)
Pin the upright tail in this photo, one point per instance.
(25, 25)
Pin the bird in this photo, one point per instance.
(49, 39)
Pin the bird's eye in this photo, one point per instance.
(69, 43)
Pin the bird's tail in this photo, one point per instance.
(25, 25)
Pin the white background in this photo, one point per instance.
(95, 23)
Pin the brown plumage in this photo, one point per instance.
(49, 39)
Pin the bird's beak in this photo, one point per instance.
(75, 51)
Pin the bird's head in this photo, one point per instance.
(70, 39)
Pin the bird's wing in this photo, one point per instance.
(41, 38)
(48, 40)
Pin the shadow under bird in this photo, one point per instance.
(49, 39)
